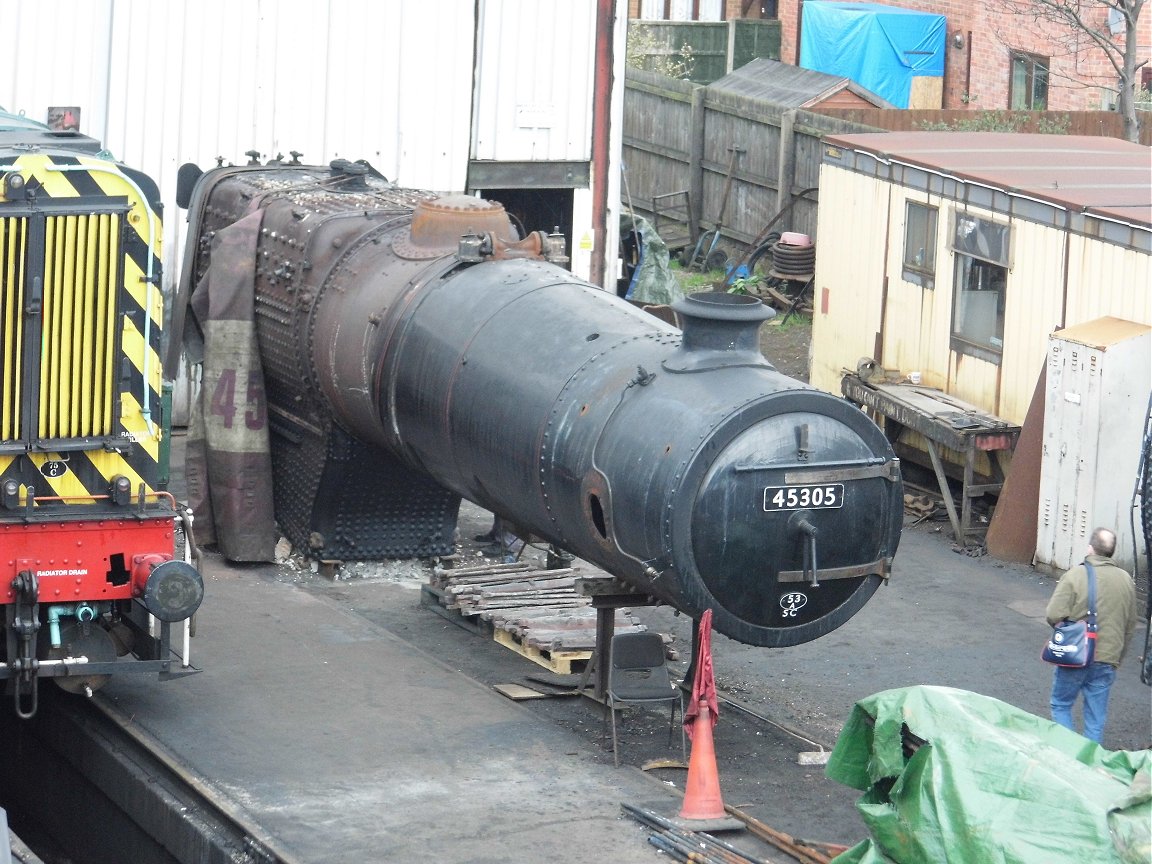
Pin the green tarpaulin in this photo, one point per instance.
(652, 281)
(951, 776)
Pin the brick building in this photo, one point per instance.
(995, 59)
(701, 10)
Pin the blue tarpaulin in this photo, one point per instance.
(881, 48)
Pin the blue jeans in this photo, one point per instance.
(1094, 682)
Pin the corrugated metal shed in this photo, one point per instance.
(165, 83)
(526, 109)
(792, 87)
(1103, 177)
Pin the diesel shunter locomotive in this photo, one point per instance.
(88, 533)
(401, 351)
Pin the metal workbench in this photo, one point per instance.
(943, 421)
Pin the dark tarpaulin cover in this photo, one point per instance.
(991, 784)
(881, 48)
(228, 462)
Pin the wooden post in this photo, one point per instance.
(696, 166)
(786, 161)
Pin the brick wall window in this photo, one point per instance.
(683, 10)
(1028, 86)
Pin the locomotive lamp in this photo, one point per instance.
(121, 490)
(13, 185)
(173, 591)
(10, 494)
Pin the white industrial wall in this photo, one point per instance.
(416, 87)
(163, 83)
(534, 79)
(390, 81)
(533, 97)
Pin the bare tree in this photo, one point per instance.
(1068, 22)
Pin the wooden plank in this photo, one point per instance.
(518, 692)
(430, 597)
(942, 480)
(555, 602)
(537, 583)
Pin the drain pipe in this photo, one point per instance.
(83, 612)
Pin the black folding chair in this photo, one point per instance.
(639, 676)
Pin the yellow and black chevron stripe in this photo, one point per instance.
(81, 319)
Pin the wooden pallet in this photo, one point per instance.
(561, 662)
(537, 613)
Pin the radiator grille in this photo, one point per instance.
(13, 244)
(71, 371)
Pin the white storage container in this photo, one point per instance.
(1096, 401)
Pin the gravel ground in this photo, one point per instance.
(788, 701)
(786, 346)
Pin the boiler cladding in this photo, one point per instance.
(420, 331)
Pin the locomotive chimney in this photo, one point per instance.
(720, 329)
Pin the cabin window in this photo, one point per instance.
(982, 258)
(920, 244)
(1028, 86)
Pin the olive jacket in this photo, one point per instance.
(1116, 614)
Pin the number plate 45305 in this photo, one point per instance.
(815, 497)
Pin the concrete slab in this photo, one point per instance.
(349, 745)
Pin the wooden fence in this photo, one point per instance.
(679, 137)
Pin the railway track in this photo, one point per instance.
(99, 790)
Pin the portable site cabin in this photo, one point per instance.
(956, 255)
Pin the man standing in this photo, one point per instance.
(1116, 620)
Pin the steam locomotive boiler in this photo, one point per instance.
(415, 350)
(87, 530)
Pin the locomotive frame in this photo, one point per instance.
(383, 333)
(88, 532)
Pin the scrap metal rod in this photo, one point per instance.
(780, 840)
(700, 843)
(683, 850)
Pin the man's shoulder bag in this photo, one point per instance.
(1073, 643)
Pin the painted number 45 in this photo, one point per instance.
(224, 400)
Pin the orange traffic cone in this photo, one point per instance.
(702, 789)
